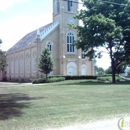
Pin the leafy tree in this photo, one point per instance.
(108, 70)
(0, 41)
(121, 68)
(46, 64)
(105, 25)
(99, 70)
(3, 61)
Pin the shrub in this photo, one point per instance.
(80, 77)
(48, 80)
(104, 79)
(107, 78)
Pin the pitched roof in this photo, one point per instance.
(29, 38)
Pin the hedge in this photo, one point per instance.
(57, 78)
(108, 78)
(48, 80)
(74, 77)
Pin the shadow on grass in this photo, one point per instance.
(95, 82)
(11, 104)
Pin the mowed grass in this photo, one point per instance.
(37, 107)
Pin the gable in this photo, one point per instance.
(31, 37)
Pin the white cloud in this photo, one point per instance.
(4, 4)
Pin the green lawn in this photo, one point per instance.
(36, 107)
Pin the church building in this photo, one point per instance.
(58, 36)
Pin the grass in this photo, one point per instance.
(36, 107)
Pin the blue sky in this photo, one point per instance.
(19, 17)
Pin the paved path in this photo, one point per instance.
(100, 125)
(7, 84)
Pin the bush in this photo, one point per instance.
(48, 80)
(58, 78)
(80, 77)
(107, 78)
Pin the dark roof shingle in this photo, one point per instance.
(28, 39)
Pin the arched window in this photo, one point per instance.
(16, 65)
(27, 63)
(70, 5)
(57, 6)
(71, 68)
(34, 63)
(70, 41)
(49, 45)
(83, 69)
(7, 67)
(21, 64)
(12, 66)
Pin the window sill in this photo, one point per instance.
(70, 12)
(71, 53)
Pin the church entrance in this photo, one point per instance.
(71, 68)
(83, 69)
(71, 71)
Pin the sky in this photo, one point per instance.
(19, 17)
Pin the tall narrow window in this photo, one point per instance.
(70, 5)
(83, 54)
(57, 6)
(7, 67)
(70, 41)
(16, 65)
(21, 64)
(27, 63)
(12, 66)
(49, 45)
(34, 63)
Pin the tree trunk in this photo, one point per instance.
(46, 76)
(113, 71)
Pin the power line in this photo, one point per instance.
(114, 3)
(73, 1)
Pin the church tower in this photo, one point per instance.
(63, 12)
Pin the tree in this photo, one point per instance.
(0, 41)
(46, 64)
(3, 63)
(99, 70)
(105, 25)
(2, 60)
(108, 70)
(121, 68)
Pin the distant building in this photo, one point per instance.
(58, 36)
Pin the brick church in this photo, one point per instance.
(58, 36)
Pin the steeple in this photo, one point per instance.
(64, 9)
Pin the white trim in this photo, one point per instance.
(48, 30)
(71, 64)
